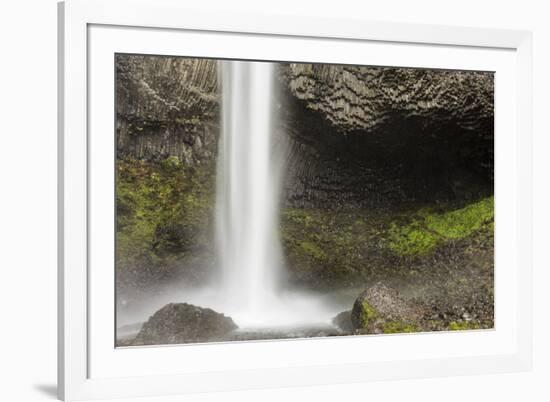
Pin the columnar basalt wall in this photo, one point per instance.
(366, 98)
(167, 106)
(354, 136)
(380, 136)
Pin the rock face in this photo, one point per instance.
(376, 136)
(358, 136)
(167, 106)
(184, 323)
(366, 98)
(380, 309)
(167, 126)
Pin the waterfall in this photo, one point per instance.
(247, 193)
(249, 181)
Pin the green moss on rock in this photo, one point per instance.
(431, 229)
(399, 327)
(163, 209)
(463, 325)
(463, 222)
(321, 245)
(367, 314)
(412, 239)
(328, 248)
(313, 250)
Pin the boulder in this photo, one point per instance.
(184, 323)
(343, 321)
(380, 309)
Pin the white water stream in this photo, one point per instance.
(248, 247)
(249, 182)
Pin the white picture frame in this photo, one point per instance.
(90, 368)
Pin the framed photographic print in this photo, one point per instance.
(247, 202)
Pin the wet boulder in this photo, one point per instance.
(184, 323)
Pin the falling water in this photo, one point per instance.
(249, 249)
(250, 167)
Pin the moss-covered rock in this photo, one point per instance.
(463, 325)
(363, 314)
(399, 327)
(412, 239)
(381, 309)
(320, 247)
(341, 247)
(462, 222)
(164, 216)
(432, 228)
